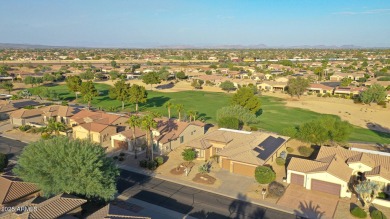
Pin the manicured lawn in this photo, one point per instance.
(275, 116)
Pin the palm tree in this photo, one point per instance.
(54, 126)
(191, 114)
(179, 108)
(147, 124)
(194, 115)
(134, 121)
(169, 105)
(367, 191)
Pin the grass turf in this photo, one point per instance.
(275, 115)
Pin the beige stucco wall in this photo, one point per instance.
(359, 167)
(118, 137)
(328, 178)
(17, 122)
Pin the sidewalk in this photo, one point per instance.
(228, 192)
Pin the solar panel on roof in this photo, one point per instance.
(257, 149)
(270, 145)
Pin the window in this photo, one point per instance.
(181, 139)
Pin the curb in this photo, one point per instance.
(5, 136)
(132, 169)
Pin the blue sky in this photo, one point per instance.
(141, 23)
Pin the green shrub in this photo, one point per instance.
(376, 214)
(188, 154)
(264, 175)
(290, 150)
(3, 161)
(319, 95)
(276, 189)
(122, 154)
(121, 159)
(203, 168)
(24, 128)
(152, 165)
(305, 151)
(28, 107)
(280, 161)
(45, 136)
(229, 122)
(254, 128)
(159, 160)
(143, 163)
(358, 212)
(115, 157)
(382, 195)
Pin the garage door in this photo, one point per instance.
(121, 144)
(297, 179)
(225, 164)
(327, 187)
(244, 169)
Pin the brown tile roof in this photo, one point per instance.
(56, 206)
(240, 146)
(95, 127)
(305, 165)
(111, 212)
(13, 188)
(129, 133)
(57, 110)
(170, 129)
(320, 86)
(98, 117)
(336, 160)
(25, 113)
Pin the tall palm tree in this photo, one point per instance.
(191, 114)
(56, 127)
(194, 115)
(169, 105)
(147, 124)
(367, 191)
(179, 108)
(134, 121)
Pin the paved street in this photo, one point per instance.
(190, 201)
(11, 147)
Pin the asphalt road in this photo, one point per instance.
(190, 201)
(12, 148)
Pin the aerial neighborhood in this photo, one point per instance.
(273, 127)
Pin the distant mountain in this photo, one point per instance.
(27, 46)
(184, 46)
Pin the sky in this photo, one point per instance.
(155, 23)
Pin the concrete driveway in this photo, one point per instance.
(309, 204)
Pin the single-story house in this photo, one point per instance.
(336, 169)
(25, 117)
(355, 91)
(239, 152)
(272, 86)
(6, 107)
(59, 113)
(170, 134)
(336, 77)
(320, 88)
(356, 76)
(86, 116)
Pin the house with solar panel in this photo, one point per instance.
(240, 152)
